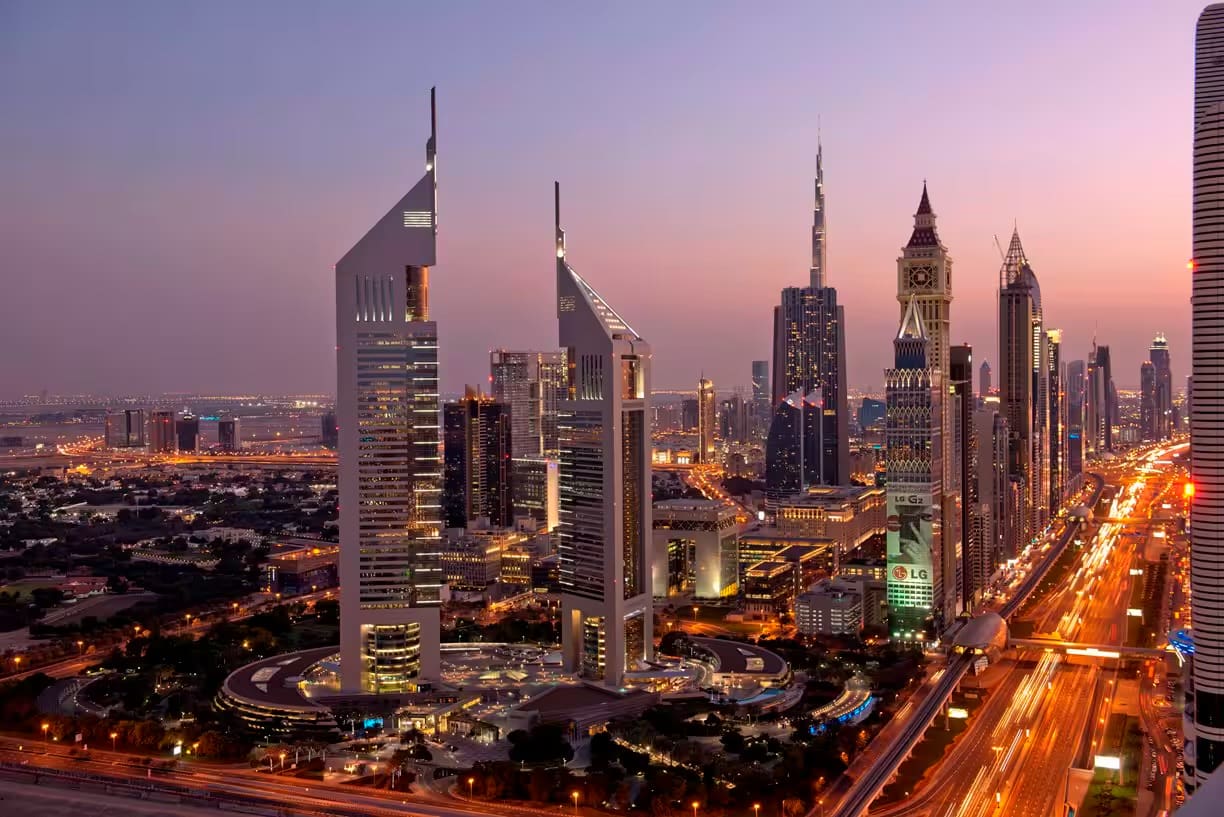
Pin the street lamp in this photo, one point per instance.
(114, 736)
(81, 647)
(756, 810)
(695, 803)
(574, 796)
(282, 757)
(471, 783)
(45, 727)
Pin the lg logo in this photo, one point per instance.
(901, 573)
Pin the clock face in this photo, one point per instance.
(921, 277)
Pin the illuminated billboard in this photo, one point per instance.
(910, 544)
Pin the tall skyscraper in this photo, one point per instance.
(990, 516)
(390, 469)
(1147, 401)
(162, 439)
(1107, 401)
(759, 411)
(733, 418)
(914, 460)
(605, 529)
(1055, 423)
(531, 383)
(924, 276)
(1162, 404)
(964, 447)
(1023, 393)
(125, 429)
(1075, 387)
(760, 380)
(705, 420)
(329, 430)
(1205, 702)
(229, 434)
(984, 381)
(476, 454)
(810, 360)
(1094, 410)
(187, 432)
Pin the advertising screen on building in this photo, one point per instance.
(910, 526)
(910, 540)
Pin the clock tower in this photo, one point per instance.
(924, 285)
(924, 273)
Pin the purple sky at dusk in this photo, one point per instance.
(178, 179)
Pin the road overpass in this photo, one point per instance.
(868, 786)
(1088, 650)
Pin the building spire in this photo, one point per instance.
(560, 235)
(924, 234)
(818, 221)
(1013, 261)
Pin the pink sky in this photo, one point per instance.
(180, 181)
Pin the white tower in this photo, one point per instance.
(390, 473)
(605, 531)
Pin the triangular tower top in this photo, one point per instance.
(924, 234)
(572, 288)
(1014, 261)
(911, 323)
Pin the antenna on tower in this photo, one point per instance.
(999, 247)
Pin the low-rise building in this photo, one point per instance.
(849, 515)
(829, 607)
(769, 589)
(303, 570)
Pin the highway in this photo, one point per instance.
(1045, 714)
(885, 763)
(238, 784)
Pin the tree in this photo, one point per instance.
(733, 741)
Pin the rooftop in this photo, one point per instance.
(733, 656)
(264, 682)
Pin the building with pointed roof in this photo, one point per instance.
(605, 528)
(1024, 397)
(924, 279)
(1162, 394)
(390, 471)
(913, 440)
(809, 358)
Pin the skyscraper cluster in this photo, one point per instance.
(565, 434)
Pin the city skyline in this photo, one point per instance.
(204, 250)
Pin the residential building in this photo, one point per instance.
(477, 461)
(1205, 690)
(1024, 393)
(229, 434)
(532, 384)
(162, 439)
(705, 421)
(125, 429)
